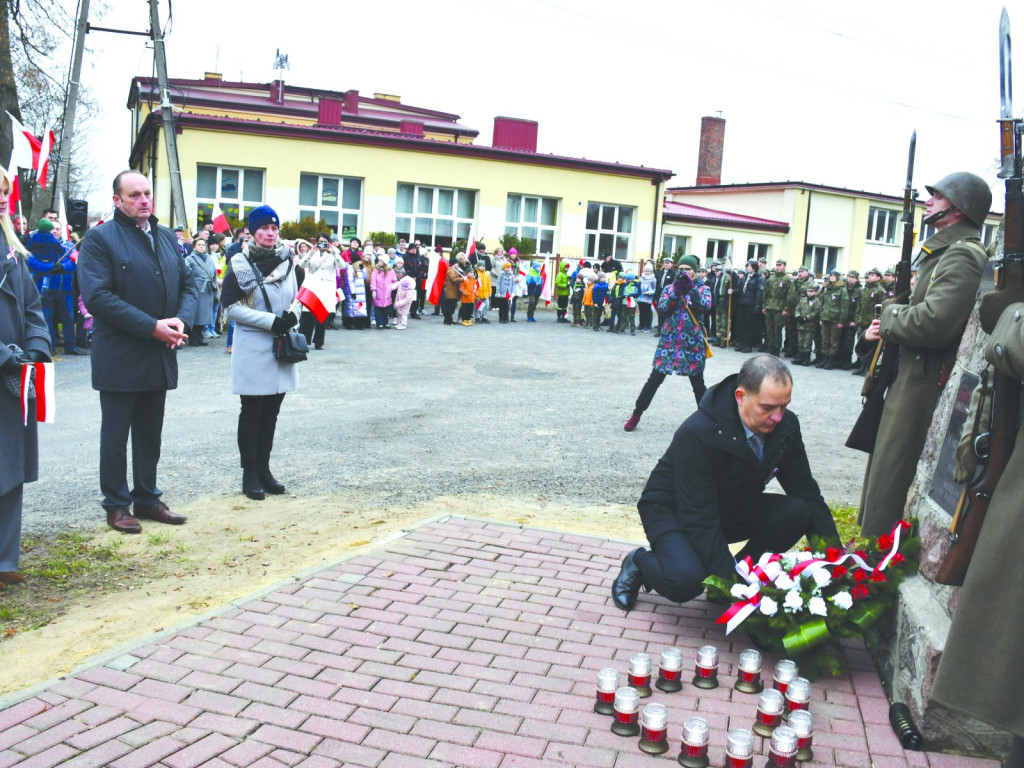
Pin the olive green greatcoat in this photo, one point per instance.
(981, 672)
(871, 294)
(949, 270)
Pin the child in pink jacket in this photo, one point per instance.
(404, 298)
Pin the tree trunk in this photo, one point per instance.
(8, 90)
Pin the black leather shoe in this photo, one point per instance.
(627, 584)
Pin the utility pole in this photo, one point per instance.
(167, 114)
(70, 105)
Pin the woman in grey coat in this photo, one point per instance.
(24, 338)
(259, 295)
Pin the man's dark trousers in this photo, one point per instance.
(142, 415)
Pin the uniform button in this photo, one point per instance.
(917, 357)
(1016, 316)
(999, 350)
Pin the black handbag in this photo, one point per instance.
(290, 346)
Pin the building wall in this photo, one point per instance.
(698, 236)
(382, 169)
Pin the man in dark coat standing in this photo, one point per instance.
(707, 491)
(142, 297)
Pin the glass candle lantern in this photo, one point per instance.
(802, 722)
(798, 694)
(770, 705)
(705, 674)
(607, 682)
(627, 712)
(670, 670)
(748, 672)
(640, 674)
(694, 752)
(785, 671)
(739, 749)
(782, 750)
(654, 729)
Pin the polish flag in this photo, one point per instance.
(312, 302)
(220, 223)
(25, 147)
(14, 199)
(436, 272)
(43, 163)
(545, 280)
(45, 405)
(62, 216)
(470, 244)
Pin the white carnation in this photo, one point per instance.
(768, 606)
(804, 556)
(784, 581)
(817, 606)
(843, 600)
(739, 591)
(793, 601)
(822, 577)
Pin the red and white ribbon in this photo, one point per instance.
(46, 407)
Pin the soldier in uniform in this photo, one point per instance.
(778, 294)
(889, 283)
(834, 308)
(872, 293)
(928, 330)
(849, 335)
(806, 317)
(723, 323)
(759, 339)
(800, 281)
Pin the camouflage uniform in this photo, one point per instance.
(871, 294)
(778, 295)
(849, 335)
(799, 291)
(835, 304)
(806, 317)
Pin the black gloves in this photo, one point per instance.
(284, 323)
(683, 285)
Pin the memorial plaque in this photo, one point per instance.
(945, 491)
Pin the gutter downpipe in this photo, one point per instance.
(807, 227)
(658, 215)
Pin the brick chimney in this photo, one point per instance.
(709, 160)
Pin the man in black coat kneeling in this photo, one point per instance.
(708, 490)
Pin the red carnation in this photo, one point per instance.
(862, 554)
(898, 559)
(858, 576)
(885, 543)
(839, 571)
(877, 576)
(859, 592)
(833, 553)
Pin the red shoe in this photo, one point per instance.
(631, 422)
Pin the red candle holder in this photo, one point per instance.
(694, 752)
(785, 671)
(739, 749)
(607, 682)
(705, 673)
(802, 722)
(654, 729)
(748, 673)
(640, 674)
(670, 671)
(770, 705)
(627, 712)
(782, 750)
(798, 695)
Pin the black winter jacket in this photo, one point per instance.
(127, 288)
(708, 483)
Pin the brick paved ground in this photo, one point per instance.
(461, 643)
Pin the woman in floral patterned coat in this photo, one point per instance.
(682, 347)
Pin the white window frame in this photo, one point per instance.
(592, 247)
(241, 205)
(460, 225)
(821, 259)
(338, 212)
(882, 225)
(523, 228)
(758, 251)
(671, 244)
(927, 230)
(988, 234)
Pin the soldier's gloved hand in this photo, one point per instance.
(284, 324)
(37, 356)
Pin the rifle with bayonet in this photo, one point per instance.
(885, 359)
(995, 445)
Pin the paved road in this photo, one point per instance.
(402, 417)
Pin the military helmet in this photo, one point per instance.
(966, 191)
